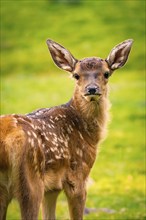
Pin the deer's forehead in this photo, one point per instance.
(91, 65)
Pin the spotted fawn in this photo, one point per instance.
(54, 149)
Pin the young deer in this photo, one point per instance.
(54, 149)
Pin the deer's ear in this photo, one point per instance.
(62, 57)
(119, 54)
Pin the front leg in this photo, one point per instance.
(49, 205)
(76, 206)
(76, 196)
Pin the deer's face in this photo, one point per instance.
(91, 73)
(92, 76)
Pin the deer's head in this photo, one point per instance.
(92, 73)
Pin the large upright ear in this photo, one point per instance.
(119, 54)
(62, 57)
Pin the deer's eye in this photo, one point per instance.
(106, 75)
(76, 76)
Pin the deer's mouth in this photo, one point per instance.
(92, 92)
(92, 98)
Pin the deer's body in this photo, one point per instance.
(54, 149)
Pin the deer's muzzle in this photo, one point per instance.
(92, 90)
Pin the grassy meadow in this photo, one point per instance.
(30, 80)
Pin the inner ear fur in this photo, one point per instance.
(119, 54)
(61, 56)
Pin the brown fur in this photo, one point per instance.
(54, 149)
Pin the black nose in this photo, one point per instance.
(92, 90)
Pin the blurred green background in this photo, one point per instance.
(30, 80)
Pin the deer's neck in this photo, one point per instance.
(94, 114)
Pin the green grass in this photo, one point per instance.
(90, 28)
(30, 80)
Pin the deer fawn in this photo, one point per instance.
(54, 149)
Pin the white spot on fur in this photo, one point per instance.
(67, 138)
(30, 141)
(79, 152)
(52, 121)
(61, 140)
(66, 143)
(39, 141)
(57, 157)
(49, 125)
(71, 127)
(52, 126)
(69, 131)
(34, 134)
(44, 134)
(43, 146)
(15, 121)
(44, 127)
(44, 123)
(52, 149)
(81, 136)
(54, 142)
(38, 113)
(29, 133)
(61, 150)
(50, 161)
(48, 150)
